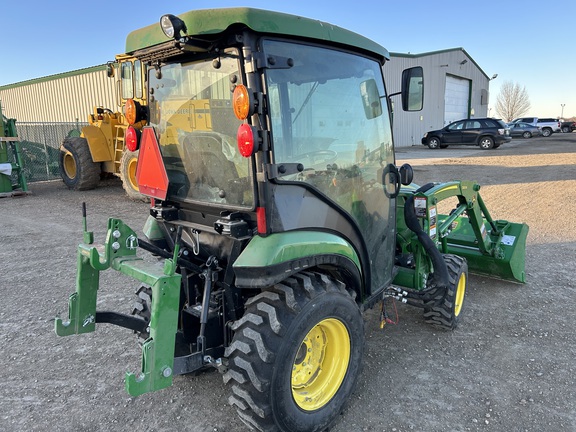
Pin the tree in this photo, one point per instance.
(512, 101)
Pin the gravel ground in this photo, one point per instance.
(509, 366)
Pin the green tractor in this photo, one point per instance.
(282, 222)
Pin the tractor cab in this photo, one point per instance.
(265, 134)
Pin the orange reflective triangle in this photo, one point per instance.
(150, 171)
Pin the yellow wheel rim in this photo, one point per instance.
(460, 291)
(69, 165)
(131, 171)
(320, 364)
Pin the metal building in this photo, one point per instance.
(455, 87)
(65, 97)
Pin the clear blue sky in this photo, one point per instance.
(528, 42)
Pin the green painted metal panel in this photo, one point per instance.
(214, 21)
(285, 247)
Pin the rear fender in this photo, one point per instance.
(271, 259)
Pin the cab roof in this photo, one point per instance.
(214, 21)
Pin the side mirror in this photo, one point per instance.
(406, 174)
(413, 89)
(110, 69)
(371, 99)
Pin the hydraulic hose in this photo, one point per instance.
(440, 273)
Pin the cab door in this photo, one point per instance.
(319, 119)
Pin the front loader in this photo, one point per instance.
(275, 229)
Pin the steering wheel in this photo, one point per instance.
(318, 157)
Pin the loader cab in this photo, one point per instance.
(282, 134)
(130, 76)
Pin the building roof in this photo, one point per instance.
(54, 76)
(431, 53)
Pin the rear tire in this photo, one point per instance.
(546, 132)
(486, 143)
(433, 143)
(128, 165)
(296, 355)
(77, 169)
(565, 129)
(447, 314)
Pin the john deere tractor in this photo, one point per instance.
(278, 225)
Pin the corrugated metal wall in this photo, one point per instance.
(59, 98)
(409, 127)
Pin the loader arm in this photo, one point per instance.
(494, 248)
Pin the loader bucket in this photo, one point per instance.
(504, 257)
(494, 248)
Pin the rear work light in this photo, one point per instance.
(245, 139)
(132, 139)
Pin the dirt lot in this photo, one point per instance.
(509, 366)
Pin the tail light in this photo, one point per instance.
(132, 139)
(245, 139)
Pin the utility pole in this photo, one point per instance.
(562, 115)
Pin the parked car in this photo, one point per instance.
(484, 132)
(547, 125)
(568, 126)
(524, 130)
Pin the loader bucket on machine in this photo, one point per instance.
(509, 248)
(492, 248)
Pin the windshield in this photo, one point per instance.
(191, 111)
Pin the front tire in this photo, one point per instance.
(433, 143)
(296, 355)
(565, 129)
(447, 314)
(77, 169)
(527, 135)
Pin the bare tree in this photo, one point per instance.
(512, 101)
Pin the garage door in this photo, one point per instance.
(456, 99)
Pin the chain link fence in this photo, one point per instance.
(40, 147)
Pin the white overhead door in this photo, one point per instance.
(456, 99)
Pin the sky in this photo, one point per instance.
(530, 43)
